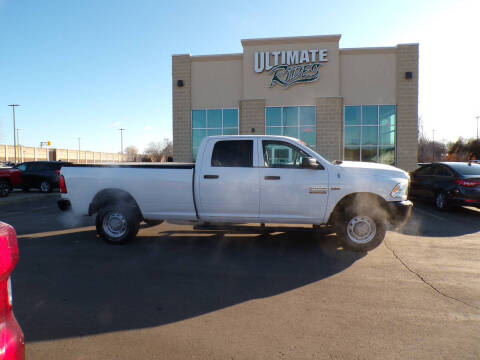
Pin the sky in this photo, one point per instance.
(84, 69)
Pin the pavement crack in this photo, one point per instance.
(425, 281)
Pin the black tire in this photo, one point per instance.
(360, 230)
(45, 186)
(117, 224)
(4, 188)
(440, 201)
(153, 222)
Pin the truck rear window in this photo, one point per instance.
(237, 153)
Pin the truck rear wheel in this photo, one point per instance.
(117, 224)
(361, 231)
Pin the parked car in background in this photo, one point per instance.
(447, 183)
(12, 345)
(9, 178)
(43, 175)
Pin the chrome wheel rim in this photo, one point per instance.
(440, 201)
(361, 229)
(3, 189)
(44, 186)
(115, 224)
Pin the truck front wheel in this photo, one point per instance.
(117, 224)
(361, 232)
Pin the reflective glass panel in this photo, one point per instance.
(387, 155)
(370, 115)
(230, 131)
(199, 119)
(352, 135)
(352, 153)
(230, 118)
(307, 115)
(369, 153)
(369, 135)
(213, 132)
(290, 116)
(274, 131)
(273, 116)
(214, 119)
(307, 135)
(291, 131)
(387, 115)
(387, 135)
(197, 136)
(352, 115)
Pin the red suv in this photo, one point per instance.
(9, 178)
(12, 345)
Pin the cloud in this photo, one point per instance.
(117, 124)
(147, 128)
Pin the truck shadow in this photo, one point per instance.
(73, 284)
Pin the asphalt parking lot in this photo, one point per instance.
(180, 294)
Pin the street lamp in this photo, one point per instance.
(477, 117)
(14, 130)
(121, 141)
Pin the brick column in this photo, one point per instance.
(252, 115)
(182, 108)
(330, 127)
(407, 107)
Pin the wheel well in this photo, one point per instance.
(373, 203)
(7, 180)
(113, 196)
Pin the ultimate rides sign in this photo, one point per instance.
(290, 67)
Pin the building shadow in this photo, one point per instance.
(74, 284)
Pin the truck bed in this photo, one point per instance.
(146, 165)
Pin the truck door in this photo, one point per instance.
(229, 188)
(289, 192)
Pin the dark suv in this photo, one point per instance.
(447, 183)
(43, 175)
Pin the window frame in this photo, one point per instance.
(265, 143)
(314, 146)
(361, 125)
(230, 141)
(215, 128)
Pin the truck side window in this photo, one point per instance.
(281, 154)
(236, 153)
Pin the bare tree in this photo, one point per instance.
(131, 152)
(154, 151)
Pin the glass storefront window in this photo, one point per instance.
(212, 122)
(294, 121)
(369, 133)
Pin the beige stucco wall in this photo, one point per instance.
(368, 76)
(257, 85)
(217, 82)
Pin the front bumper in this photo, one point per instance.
(64, 204)
(399, 212)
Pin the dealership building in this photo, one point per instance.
(356, 104)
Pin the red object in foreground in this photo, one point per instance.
(12, 345)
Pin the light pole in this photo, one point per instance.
(121, 141)
(14, 130)
(433, 146)
(477, 117)
(78, 155)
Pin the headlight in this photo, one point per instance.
(399, 191)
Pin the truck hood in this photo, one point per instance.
(374, 169)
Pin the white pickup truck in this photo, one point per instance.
(242, 179)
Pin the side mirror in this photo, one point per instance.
(311, 163)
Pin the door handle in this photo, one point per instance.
(272, 177)
(210, 176)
